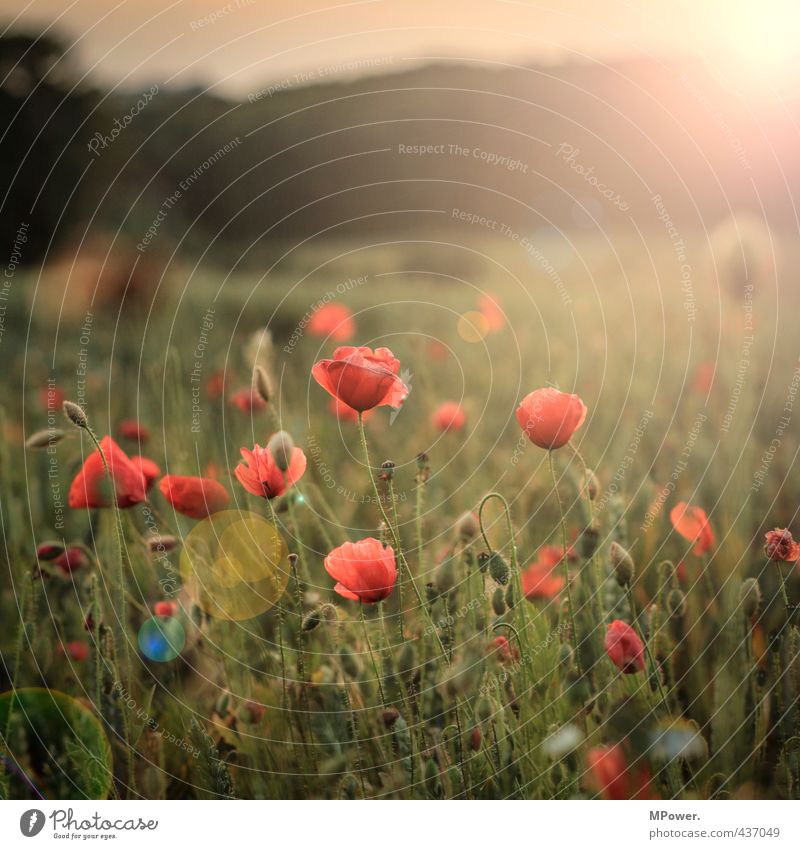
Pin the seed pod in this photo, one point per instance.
(750, 597)
(281, 446)
(498, 569)
(676, 604)
(45, 438)
(498, 601)
(622, 564)
(311, 620)
(75, 414)
(261, 383)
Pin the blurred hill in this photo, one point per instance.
(188, 171)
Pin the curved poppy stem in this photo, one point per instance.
(565, 561)
(396, 536)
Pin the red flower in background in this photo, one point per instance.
(449, 416)
(77, 650)
(261, 475)
(334, 321)
(611, 777)
(71, 559)
(624, 647)
(692, 524)
(365, 571)
(165, 608)
(215, 385)
(361, 378)
(492, 312)
(704, 378)
(51, 398)
(539, 580)
(503, 649)
(131, 429)
(247, 400)
(148, 469)
(92, 488)
(192, 496)
(781, 546)
(549, 417)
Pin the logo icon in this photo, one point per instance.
(31, 822)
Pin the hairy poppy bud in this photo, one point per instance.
(590, 539)
(281, 446)
(75, 414)
(49, 550)
(45, 438)
(498, 601)
(676, 603)
(622, 564)
(510, 596)
(261, 383)
(498, 568)
(590, 484)
(750, 597)
(468, 527)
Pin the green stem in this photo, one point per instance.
(372, 655)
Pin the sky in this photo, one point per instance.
(237, 45)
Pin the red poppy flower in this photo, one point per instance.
(215, 385)
(503, 649)
(492, 312)
(449, 416)
(247, 400)
(692, 524)
(77, 650)
(781, 546)
(71, 559)
(624, 647)
(549, 417)
(91, 487)
(345, 413)
(334, 321)
(438, 351)
(611, 777)
(51, 398)
(362, 379)
(165, 608)
(192, 496)
(365, 570)
(703, 378)
(148, 468)
(261, 475)
(49, 550)
(131, 429)
(539, 580)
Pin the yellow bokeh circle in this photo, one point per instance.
(235, 565)
(473, 326)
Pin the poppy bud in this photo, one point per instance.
(498, 601)
(484, 710)
(389, 717)
(45, 438)
(750, 597)
(75, 414)
(261, 383)
(622, 564)
(676, 604)
(590, 539)
(468, 526)
(281, 446)
(446, 576)
(498, 568)
(311, 620)
(49, 550)
(431, 593)
(510, 596)
(590, 484)
(475, 738)
(387, 470)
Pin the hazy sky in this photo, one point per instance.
(239, 44)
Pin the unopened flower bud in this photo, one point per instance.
(281, 446)
(498, 568)
(510, 595)
(389, 717)
(590, 484)
(484, 710)
(590, 539)
(49, 550)
(750, 597)
(387, 470)
(468, 526)
(45, 438)
(676, 603)
(622, 564)
(261, 383)
(475, 738)
(75, 414)
(446, 576)
(498, 601)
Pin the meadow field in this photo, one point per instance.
(188, 642)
